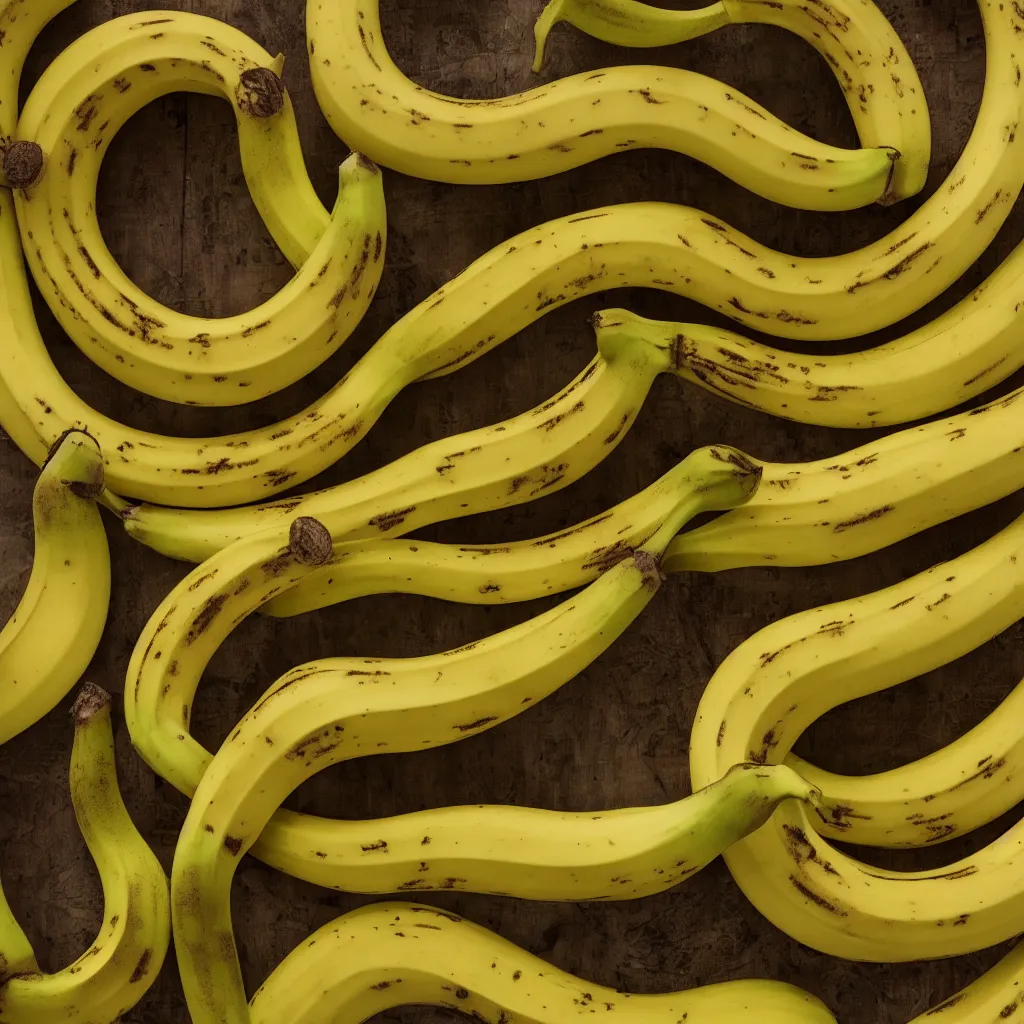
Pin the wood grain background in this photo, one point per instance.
(174, 208)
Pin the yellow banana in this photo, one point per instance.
(774, 685)
(391, 954)
(507, 463)
(887, 105)
(53, 634)
(994, 998)
(373, 107)
(968, 349)
(329, 711)
(192, 622)
(814, 513)
(536, 854)
(119, 968)
(72, 114)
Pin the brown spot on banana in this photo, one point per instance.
(23, 164)
(259, 93)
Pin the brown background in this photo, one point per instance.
(175, 210)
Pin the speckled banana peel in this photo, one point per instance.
(373, 107)
(774, 685)
(507, 463)
(196, 617)
(330, 711)
(830, 510)
(961, 354)
(869, 60)
(392, 954)
(48, 642)
(79, 104)
(118, 970)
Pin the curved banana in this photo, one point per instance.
(774, 685)
(118, 970)
(938, 797)
(962, 353)
(373, 107)
(993, 999)
(69, 585)
(859, 45)
(507, 463)
(72, 114)
(536, 854)
(336, 709)
(390, 954)
(814, 513)
(190, 625)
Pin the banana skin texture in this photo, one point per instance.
(193, 621)
(373, 107)
(770, 689)
(871, 65)
(119, 968)
(69, 584)
(394, 954)
(73, 113)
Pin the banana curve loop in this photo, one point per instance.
(770, 689)
(193, 621)
(78, 105)
(69, 584)
(507, 463)
(373, 107)
(118, 970)
(829, 510)
(870, 63)
(389, 954)
(302, 724)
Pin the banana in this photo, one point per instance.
(72, 114)
(829, 510)
(774, 685)
(888, 107)
(939, 797)
(69, 585)
(329, 711)
(964, 352)
(118, 970)
(373, 107)
(192, 622)
(536, 854)
(391, 954)
(993, 999)
(507, 463)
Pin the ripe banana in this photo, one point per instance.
(332, 710)
(815, 513)
(392, 954)
(536, 854)
(888, 106)
(117, 971)
(69, 585)
(373, 107)
(193, 621)
(968, 349)
(507, 463)
(774, 685)
(72, 114)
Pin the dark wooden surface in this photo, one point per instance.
(175, 210)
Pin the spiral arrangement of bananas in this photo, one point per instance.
(215, 502)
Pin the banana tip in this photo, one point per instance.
(91, 700)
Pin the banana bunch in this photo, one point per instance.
(119, 968)
(376, 109)
(605, 553)
(392, 954)
(83, 98)
(774, 685)
(69, 585)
